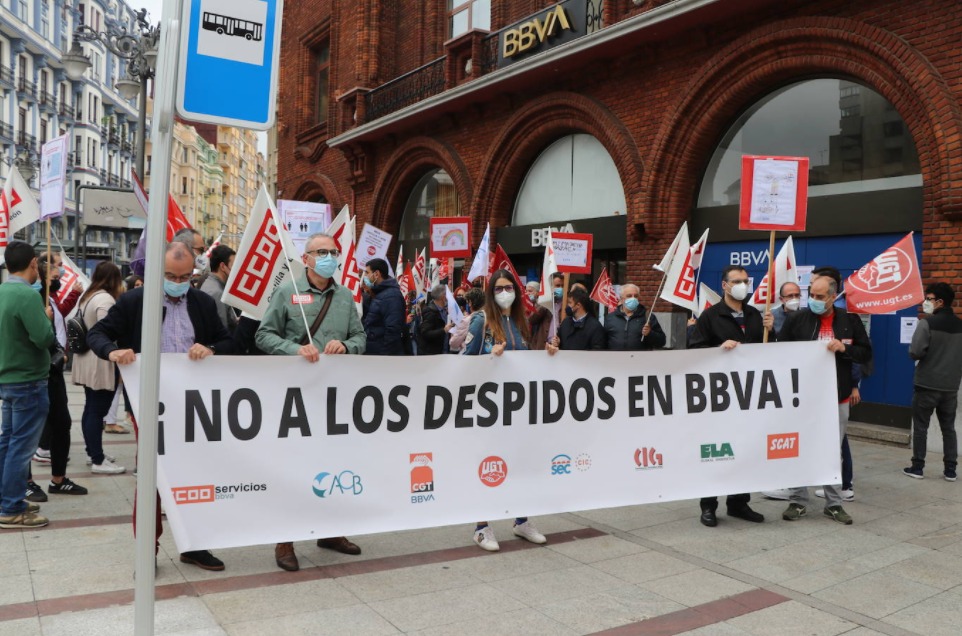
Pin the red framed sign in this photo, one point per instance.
(774, 193)
(572, 252)
(451, 237)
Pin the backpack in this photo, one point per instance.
(77, 332)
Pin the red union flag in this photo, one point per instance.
(260, 265)
(604, 291)
(18, 208)
(71, 274)
(891, 281)
(344, 234)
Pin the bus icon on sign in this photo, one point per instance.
(222, 24)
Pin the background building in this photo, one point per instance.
(627, 118)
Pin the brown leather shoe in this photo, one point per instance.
(285, 557)
(339, 544)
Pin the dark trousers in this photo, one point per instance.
(944, 403)
(846, 465)
(733, 501)
(95, 410)
(56, 430)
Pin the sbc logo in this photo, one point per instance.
(493, 471)
(193, 494)
(783, 446)
(422, 477)
(561, 465)
(646, 458)
(711, 452)
(344, 483)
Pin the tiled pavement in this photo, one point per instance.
(636, 570)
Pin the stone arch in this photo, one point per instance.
(530, 130)
(319, 185)
(790, 50)
(408, 163)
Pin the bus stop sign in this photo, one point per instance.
(229, 57)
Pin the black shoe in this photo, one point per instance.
(708, 518)
(746, 513)
(35, 493)
(66, 487)
(202, 559)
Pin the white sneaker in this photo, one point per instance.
(485, 538)
(527, 531)
(784, 494)
(847, 495)
(107, 457)
(107, 468)
(41, 456)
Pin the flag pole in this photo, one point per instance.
(46, 299)
(651, 307)
(771, 279)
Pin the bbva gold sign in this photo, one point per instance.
(534, 32)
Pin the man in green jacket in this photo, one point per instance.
(283, 332)
(27, 333)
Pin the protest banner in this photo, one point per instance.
(572, 252)
(516, 435)
(18, 208)
(891, 281)
(450, 237)
(53, 177)
(372, 244)
(302, 219)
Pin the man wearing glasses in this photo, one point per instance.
(728, 324)
(937, 345)
(335, 329)
(190, 325)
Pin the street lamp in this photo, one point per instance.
(25, 162)
(139, 49)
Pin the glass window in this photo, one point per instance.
(465, 15)
(855, 141)
(573, 178)
(322, 71)
(434, 195)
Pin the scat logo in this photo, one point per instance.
(492, 471)
(783, 445)
(561, 465)
(343, 483)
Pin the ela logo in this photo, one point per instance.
(783, 446)
(422, 477)
(493, 471)
(561, 465)
(647, 458)
(344, 483)
(717, 452)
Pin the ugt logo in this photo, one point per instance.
(492, 471)
(343, 483)
(720, 452)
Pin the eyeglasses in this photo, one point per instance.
(177, 279)
(931, 298)
(323, 253)
(503, 288)
(792, 296)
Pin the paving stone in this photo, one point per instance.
(341, 621)
(877, 594)
(696, 587)
(792, 619)
(612, 608)
(448, 606)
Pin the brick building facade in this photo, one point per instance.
(658, 83)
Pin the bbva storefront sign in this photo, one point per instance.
(548, 28)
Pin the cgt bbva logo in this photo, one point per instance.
(717, 452)
(493, 471)
(783, 445)
(344, 483)
(647, 458)
(561, 465)
(422, 477)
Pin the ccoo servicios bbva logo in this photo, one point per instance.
(346, 482)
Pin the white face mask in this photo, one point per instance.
(504, 299)
(792, 304)
(739, 291)
(928, 307)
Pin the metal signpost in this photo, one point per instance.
(228, 52)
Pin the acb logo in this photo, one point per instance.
(422, 474)
(561, 465)
(492, 471)
(344, 483)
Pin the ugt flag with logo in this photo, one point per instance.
(891, 281)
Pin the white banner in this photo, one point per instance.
(303, 218)
(372, 244)
(271, 448)
(53, 177)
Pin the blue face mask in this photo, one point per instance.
(325, 267)
(367, 281)
(36, 285)
(558, 293)
(176, 290)
(631, 304)
(818, 307)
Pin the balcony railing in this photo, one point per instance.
(48, 99)
(6, 131)
(489, 53)
(405, 90)
(66, 110)
(26, 86)
(6, 75)
(26, 140)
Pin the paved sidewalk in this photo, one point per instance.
(635, 570)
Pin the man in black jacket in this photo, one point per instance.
(385, 315)
(937, 345)
(190, 325)
(728, 324)
(626, 328)
(435, 325)
(580, 331)
(844, 336)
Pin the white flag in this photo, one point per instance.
(343, 232)
(399, 270)
(786, 271)
(435, 279)
(260, 265)
(18, 208)
(680, 238)
(679, 288)
(479, 266)
(454, 312)
(698, 251)
(420, 263)
(706, 298)
(548, 267)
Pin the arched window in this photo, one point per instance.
(573, 178)
(434, 195)
(864, 167)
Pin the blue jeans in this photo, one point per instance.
(25, 407)
(96, 405)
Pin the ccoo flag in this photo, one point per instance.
(786, 271)
(18, 208)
